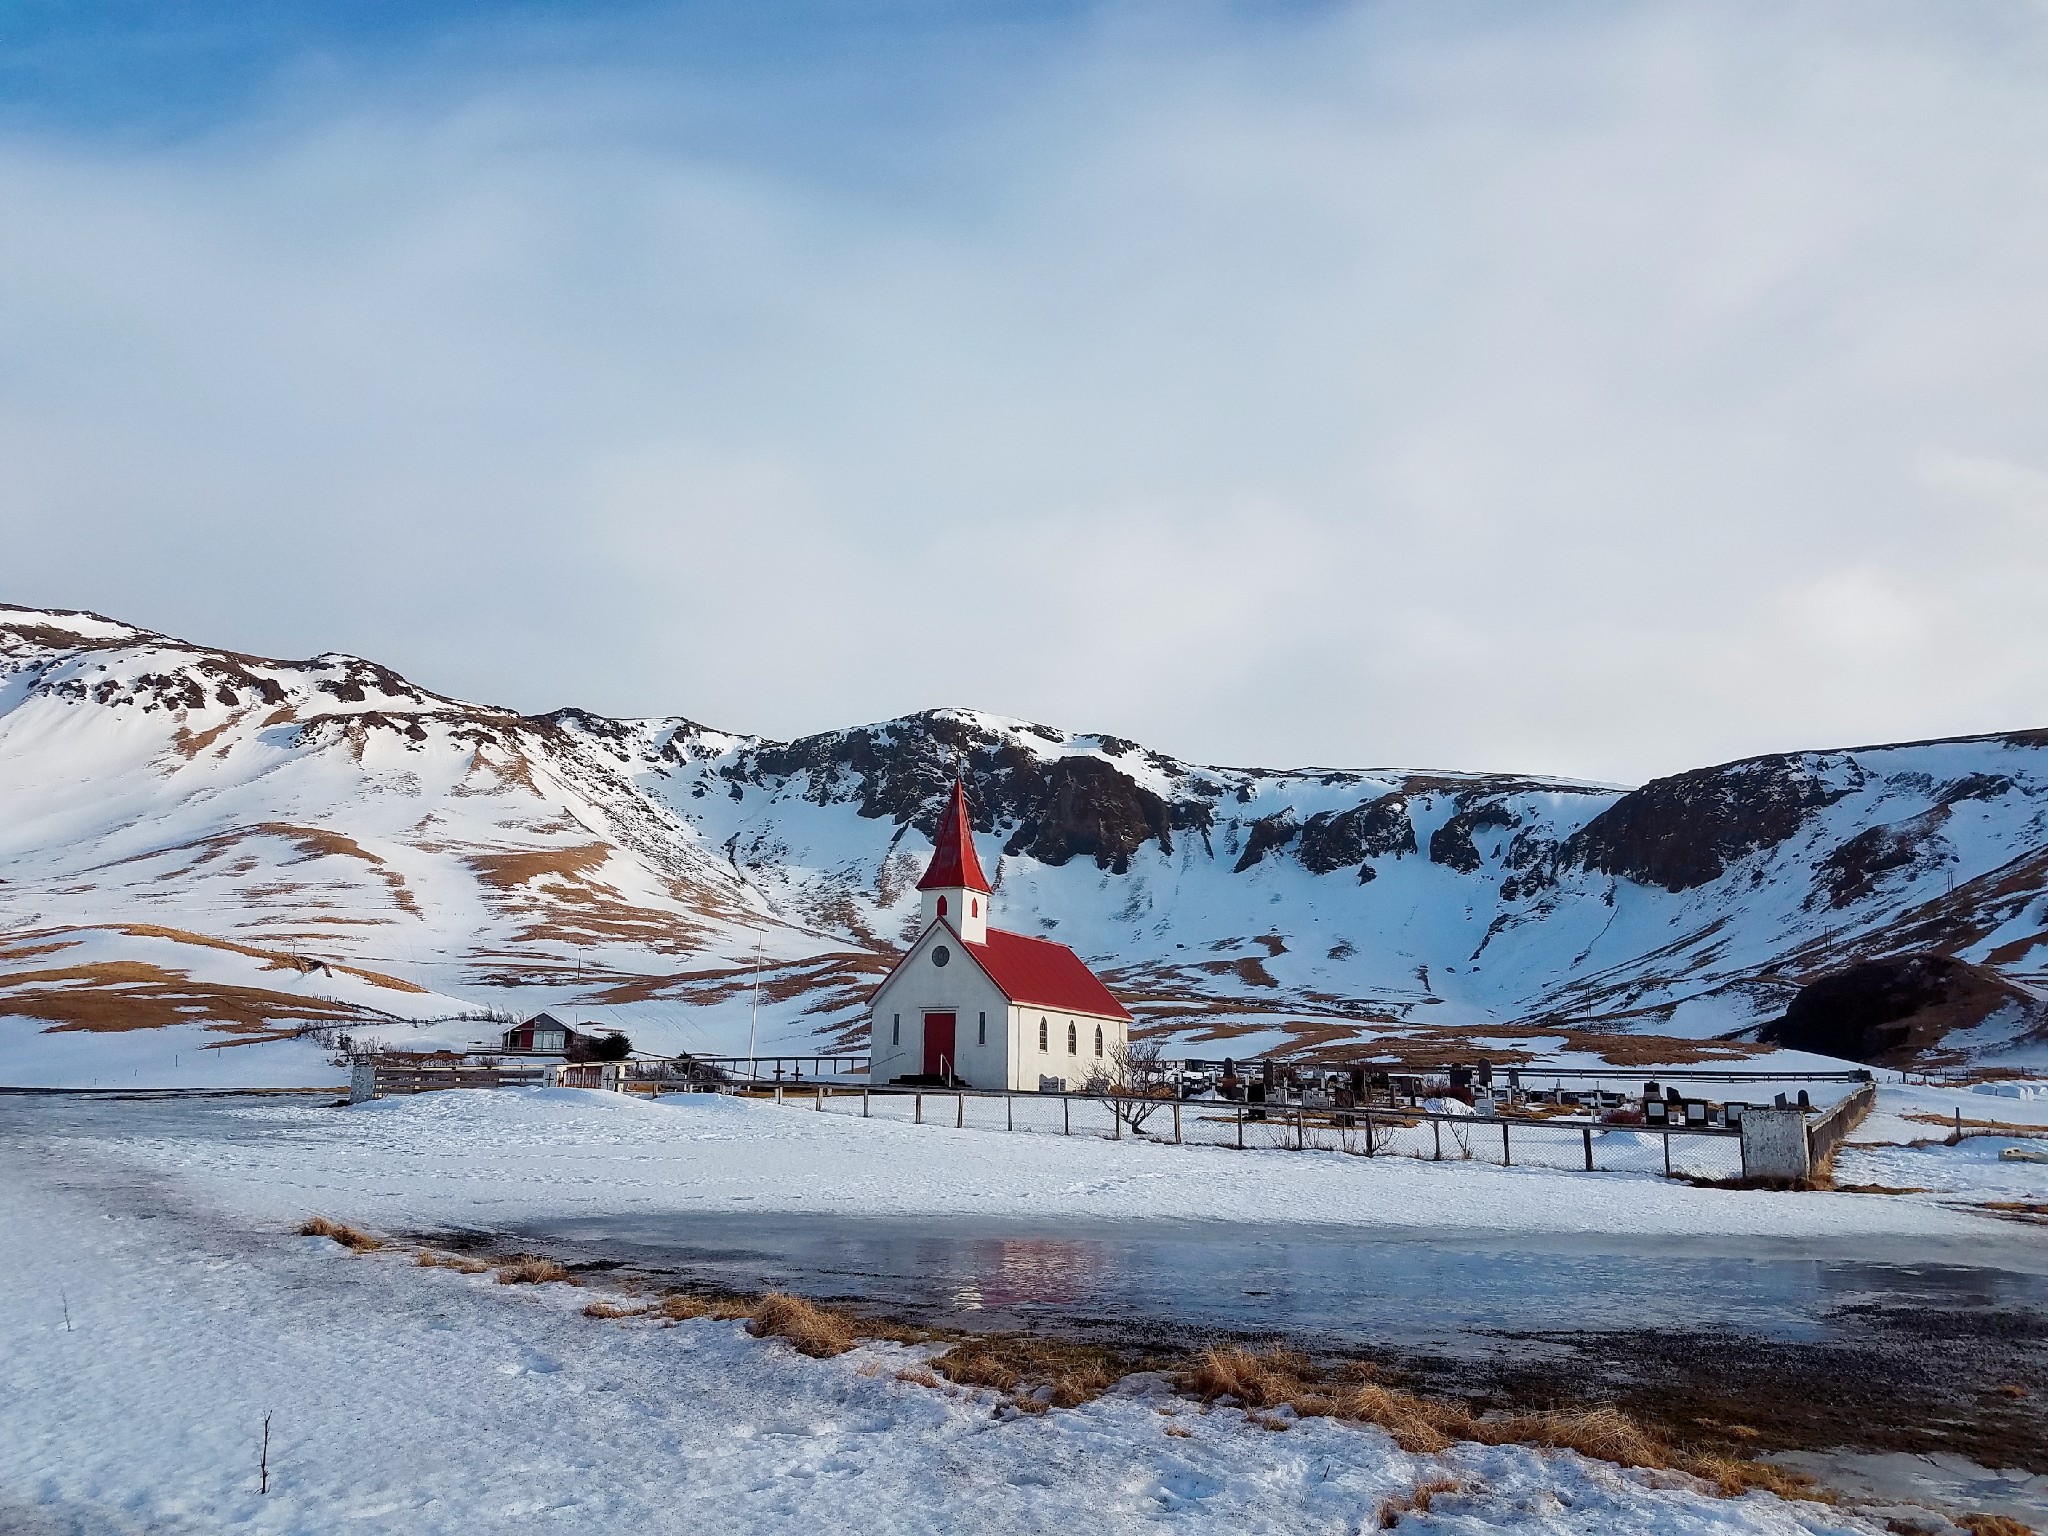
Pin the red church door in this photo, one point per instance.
(938, 1045)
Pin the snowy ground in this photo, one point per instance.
(426, 1401)
(162, 1310)
(485, 1159)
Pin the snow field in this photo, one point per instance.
(423, 1401)
(485, 1158)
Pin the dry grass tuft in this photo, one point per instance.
(344, 1234)
(1417, 1501)
(1262, 1382)
(1994, 1525)
(428, 1259)
(810, 1329)
(1283, 1378)
(609, 1309)
(681, 1306)
(919, 1376)
(533, 1272)
(1034, 1373)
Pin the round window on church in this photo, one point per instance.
(941, 954)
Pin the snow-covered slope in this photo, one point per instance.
(198, 836)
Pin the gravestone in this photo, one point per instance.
(1774, 1144)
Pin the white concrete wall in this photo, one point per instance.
(961, 988)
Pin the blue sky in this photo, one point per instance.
(1593, 389)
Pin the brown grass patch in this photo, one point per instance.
(608, 1309)
(349, 1237)
(532, 1271)
(810, 1329)
(1034, 1373)
(1993, 1525)
(430, 1260)
(505, 870)
(681, 1306)
(1263, 1381)
(1416, 1501)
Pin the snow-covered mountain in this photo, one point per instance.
(195, 836)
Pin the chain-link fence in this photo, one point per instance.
(1574, 1145)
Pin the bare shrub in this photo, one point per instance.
(1137, 1080)
(349, 1237)
(810, 1329)
(533, 1271)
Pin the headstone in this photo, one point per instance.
(1651, 1091)
(1805, 1102)
(1655, 1113)
(1485, 1073)
(362, 1083)
(1695, 1112)
(1774, 1144)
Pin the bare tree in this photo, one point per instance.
(1135, 1076)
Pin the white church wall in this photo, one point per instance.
(959, 987)
(1030, 1063)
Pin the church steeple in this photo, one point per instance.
(954, 887)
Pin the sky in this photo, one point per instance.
(1592, 389)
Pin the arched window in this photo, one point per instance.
(974, 906)
(1073, 1040)
(942, 906)
(1041, 1036)
(895, 1029)
(1098, 1039)
(981, 1031)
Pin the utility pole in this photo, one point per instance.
(754, 1018)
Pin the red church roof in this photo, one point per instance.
(1043, 973)
(954, 866)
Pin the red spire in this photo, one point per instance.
(954, 866)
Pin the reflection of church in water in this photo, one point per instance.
(982, 1007)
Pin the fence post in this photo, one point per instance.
(1009, 1112)
(1506, 1161)
(1667, 1154)
(1176, 1122)
(819, 1089)
(1436, 1129)
(1240, 1127)
(1116, 1119)
(778, 1093)
(1066, 1115)
(959, 1111)
(918, 1111)
(1299, 1129)
(1368, 1135)
(1587, 1132)
(863, 1103)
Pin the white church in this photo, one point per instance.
(975, 1006)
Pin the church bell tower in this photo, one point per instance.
(954, 888)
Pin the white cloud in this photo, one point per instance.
(1600, 390)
